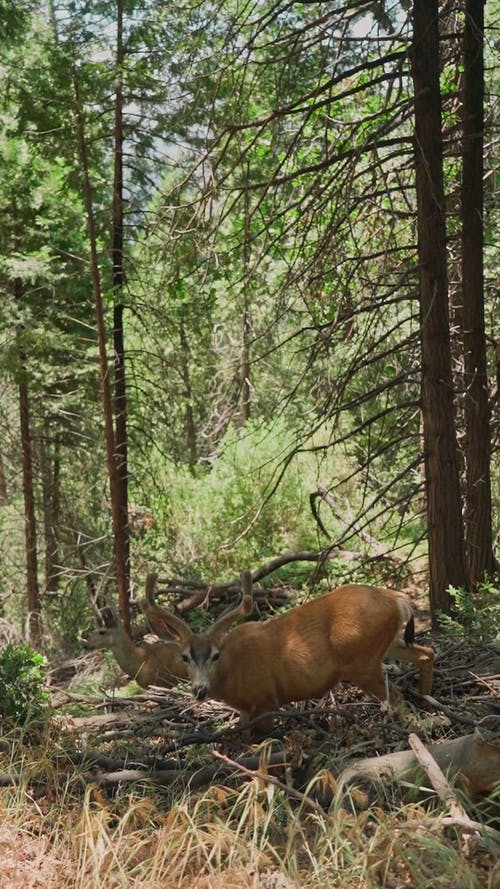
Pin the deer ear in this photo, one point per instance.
(109, 616)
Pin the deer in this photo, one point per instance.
(149, 663)
(258, 666)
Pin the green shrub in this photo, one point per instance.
(478, 613)
(250, 503)
(23, 698)
(224, 518)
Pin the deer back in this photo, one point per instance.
(258, 666)
(162, 664)
(305, 652)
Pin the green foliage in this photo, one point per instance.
(477, 613)
(252, 503)
(292, 239)
(218, 521)
(23, 698)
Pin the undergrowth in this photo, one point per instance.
(56, 832)
(23, 698)
(251, 503)
(477, 612)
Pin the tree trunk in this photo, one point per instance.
(50, 470)
(120, 557)
(245, 365)
(188, 397)
(472, 759)
(53, 19)
(477, 446)
(447, 564)
(30, 535)
(30, 529)
(4, 494)
(120, 401)
(246, 321)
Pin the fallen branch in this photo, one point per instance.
(270, 779)
(458, 815)
(191, 594)
(473, 759)
(437, 778)
(191, 779)
(197, 592)
(452, 715)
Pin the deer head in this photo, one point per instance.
(200, 651)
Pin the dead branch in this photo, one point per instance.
(452, 715)
(473, 760)
(458, 815)
(270, 779)
(436, 776)
(377, 551)
(222, 590)
(192, 593)
(198, 592)
(194, 779)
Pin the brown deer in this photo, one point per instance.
(149, 663)
(258, 666)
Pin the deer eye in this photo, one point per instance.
(215, 656)
(185, 657)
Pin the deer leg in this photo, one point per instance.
(419, 655)
(262, 728)
(372, 682)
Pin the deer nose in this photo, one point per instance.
(200, 692)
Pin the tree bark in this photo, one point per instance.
(120, 400)
(447, 565)
(50, 461)
(120, 557)
(30, 531)
(477, 445)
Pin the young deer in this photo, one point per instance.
(302, 654)
(149, 663)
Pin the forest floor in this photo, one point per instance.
(161, 790)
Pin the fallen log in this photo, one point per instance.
(223, 769)
(458, 815)
(472, 761)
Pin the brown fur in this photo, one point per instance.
(150, 663)
(302, 654)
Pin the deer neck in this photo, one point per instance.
(130, 657)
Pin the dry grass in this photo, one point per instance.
(58, 830)
(65, 836)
